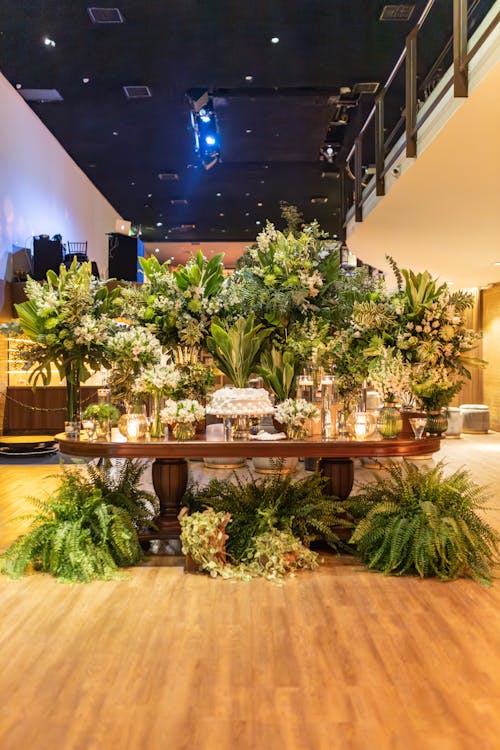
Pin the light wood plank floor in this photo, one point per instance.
(335, 659)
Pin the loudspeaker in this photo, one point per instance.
(47, 255)
(123, 257)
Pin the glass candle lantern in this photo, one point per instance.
(133, 426)
(361, 425)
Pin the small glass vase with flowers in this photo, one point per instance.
(293, 414)
(182, 417)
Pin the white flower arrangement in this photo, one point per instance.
(159, 380)
(293, 413)
(185, 411)
(134, 343)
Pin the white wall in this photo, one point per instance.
(42, 190)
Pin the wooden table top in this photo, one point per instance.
(199, 447)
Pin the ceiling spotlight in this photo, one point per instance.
(157, 249)
(260, 203)
(275, 39)
(257, 222)
(248, 131)
(85, 80)
(159, 223)
(49, 42)
(115, 132)
(249, 79)
(219, 195)
(18, 86)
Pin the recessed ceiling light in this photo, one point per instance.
(249, 79)
(257, 222)
(248, 131)
(221, 213)
(275, 39)
(157, 249)
(86, 80)
(218, 195)
(150, 195)
(247, 213)
(133, 184)
(262, 182)
(260, 203)
(115, 132)
(247, 195)
(159, 223)
(49, 42)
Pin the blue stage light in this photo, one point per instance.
(210, 140)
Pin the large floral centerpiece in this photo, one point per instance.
(419, 333)
(182, 416)
(177, 305)
(69, 321)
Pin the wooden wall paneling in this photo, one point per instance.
(491, 352)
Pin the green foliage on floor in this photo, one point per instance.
(412, 520)
(87, 529)
(277, 502)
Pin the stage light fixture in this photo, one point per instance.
(205, 128)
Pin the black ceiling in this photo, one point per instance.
(172, 47)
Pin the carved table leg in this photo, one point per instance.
(169, 481)
(340, 475)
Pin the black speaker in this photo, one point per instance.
(123, 257)
(47, 255)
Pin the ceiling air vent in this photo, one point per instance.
(105, 15)
(396, 12)
(168, 176)
(137, 92)
(41, 95)
(365, 88)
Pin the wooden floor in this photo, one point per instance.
(335, 659)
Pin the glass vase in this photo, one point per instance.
(329, 407)
(389, 421)
(156, 428)
(436, 423)
(184, 431)
(296, 432)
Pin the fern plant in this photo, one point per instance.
(87, 530)
(275, 502)
(413, 520)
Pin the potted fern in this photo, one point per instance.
(418, 521)
(88, 529)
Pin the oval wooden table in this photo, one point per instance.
(170, 465)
